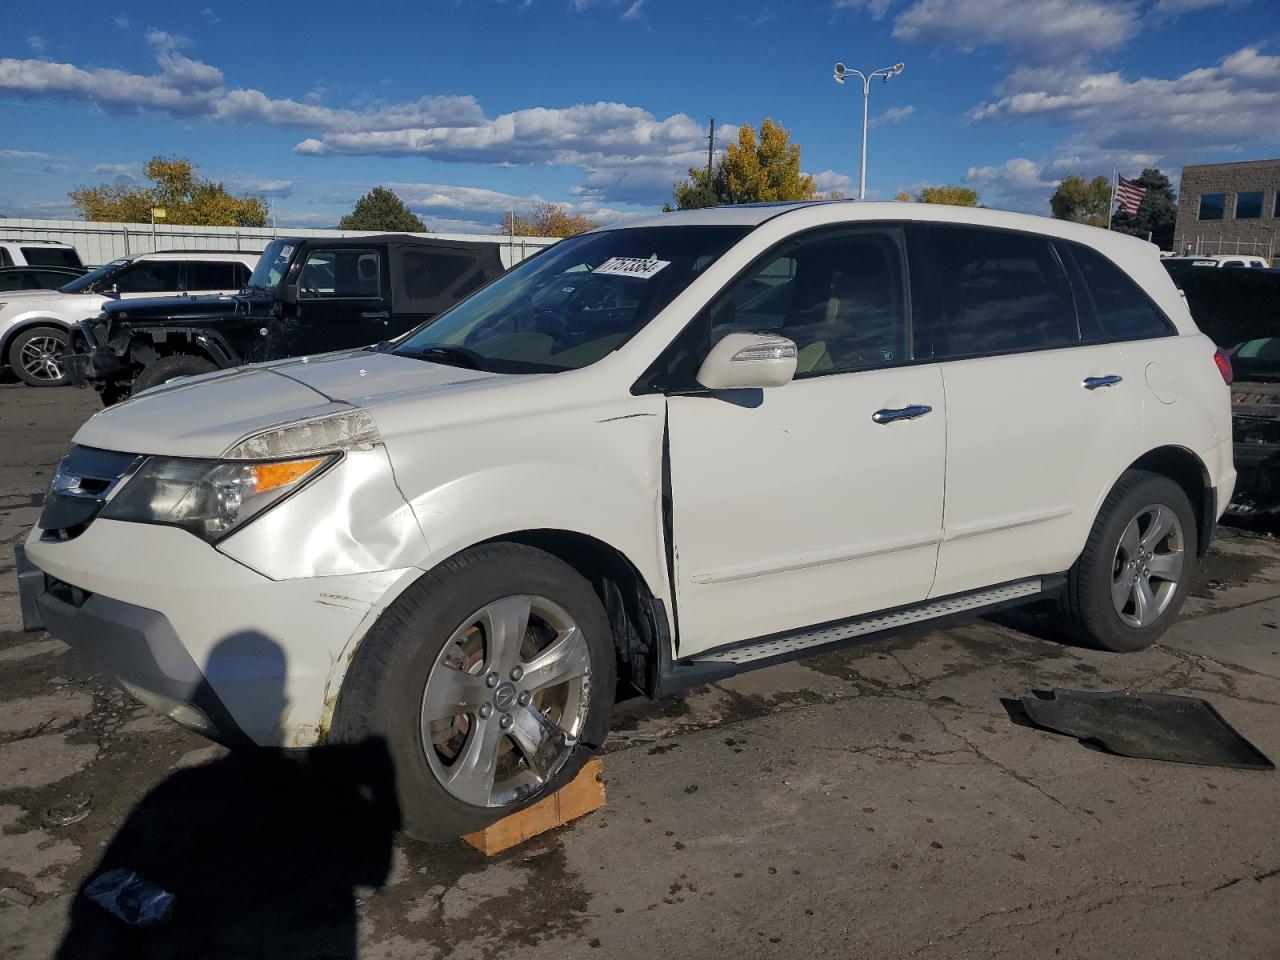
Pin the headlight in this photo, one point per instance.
(210, 498)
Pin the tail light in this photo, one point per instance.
(1224, 366)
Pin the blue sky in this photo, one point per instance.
(470, 107)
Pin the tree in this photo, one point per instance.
(381, 209)
(187, 200)
(752, 171)
(902, 196)
(1082, 201)
(1156, 214)
(542, 219)
(951, 196)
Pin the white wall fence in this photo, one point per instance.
(99, 242)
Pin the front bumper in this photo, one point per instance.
(226, 651)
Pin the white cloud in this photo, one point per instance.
(7, 154)
(1017, 184)
(260, 186)
(876, 8)
(633, 11)
(1227, 106)
(829, 180)
(36, 44)
(1185, 6)
(1041, 31)
(892, 115)
(129, 171)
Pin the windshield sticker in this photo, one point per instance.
(631, 267)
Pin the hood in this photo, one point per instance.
(204, 416)
(157, 309)
(20, 301)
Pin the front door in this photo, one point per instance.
(821, 499)
(344, 301)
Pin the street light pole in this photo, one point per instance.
(885, 74)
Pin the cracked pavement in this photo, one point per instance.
(874, 802)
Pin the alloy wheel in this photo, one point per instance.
(505, 702)
(41, 357)
(1148, 565)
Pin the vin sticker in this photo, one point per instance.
(631, 267)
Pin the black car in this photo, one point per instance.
(306, 296)
(37, 278)
(1240, 311)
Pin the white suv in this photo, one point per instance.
(662, 453)
(35, 324)
(38, 253)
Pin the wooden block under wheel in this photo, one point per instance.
(575, 799)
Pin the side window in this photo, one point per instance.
(842, 298)
(341, 274)
(999, 292)
(1119, 307)
(5, 259)
(149, 276)
(210, 275)
(427, 275)
(12, 281)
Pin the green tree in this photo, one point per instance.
(1084, 201)
(753, 170)
(951, 196)
(382, 209)
(542, 219)
(175, 186)
(1156, 214)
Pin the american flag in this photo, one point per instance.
(1129, 195)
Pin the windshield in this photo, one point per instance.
(272, 264)
(570, 306)
(86, 283)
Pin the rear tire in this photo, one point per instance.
(36, 356)
(514, 728)
(173, 367)
(1132, 577)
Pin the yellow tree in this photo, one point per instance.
(186, 198)
(542, 219)
(952, 196)
(755, 169)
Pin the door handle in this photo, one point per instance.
(378, 315)
(1093, 383)
(901, 413)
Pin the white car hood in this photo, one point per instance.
(204, 416)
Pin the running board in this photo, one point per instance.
(793, 644)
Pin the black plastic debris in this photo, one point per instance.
(125, 895)
(1151, 726)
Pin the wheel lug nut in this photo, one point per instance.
(524, 699)
(491, 679)
(517, 673)
(485, 711)
(505, 722)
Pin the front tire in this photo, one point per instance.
(36, 356)
(173, 367)
(491, 681)
(1132, 578)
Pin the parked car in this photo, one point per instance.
(37, 278)
(35, 325)
(38, 253)
(1178, 266)
(663, 453)
(306, 296)
(1240, 311)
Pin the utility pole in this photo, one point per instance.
(711, 148)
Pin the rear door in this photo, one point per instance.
(1040, 421)
(343, 301)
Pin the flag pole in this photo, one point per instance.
(1115, 176)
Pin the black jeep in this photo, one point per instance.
(305, 296)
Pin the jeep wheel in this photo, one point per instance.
(171, 368)
(1130, 581)
(36, 356)
(491, 680)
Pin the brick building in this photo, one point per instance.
(1229, 208)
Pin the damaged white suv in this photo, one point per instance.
(657, 455)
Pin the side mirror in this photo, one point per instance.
(744, 361)
(113, 291)
(289, 292)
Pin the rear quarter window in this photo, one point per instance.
(1113, 306)
(51, 256)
